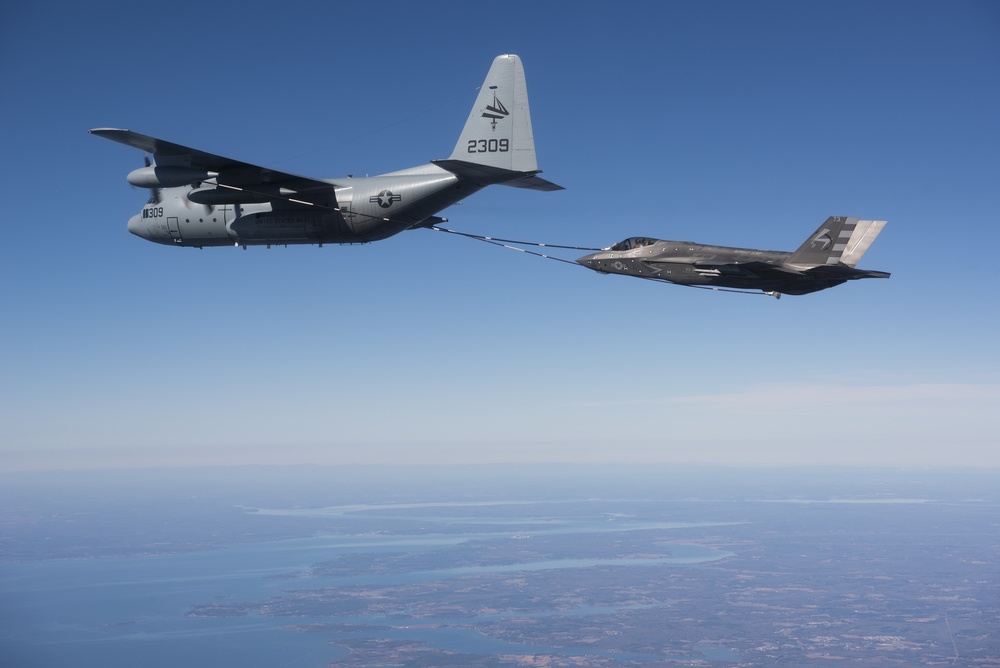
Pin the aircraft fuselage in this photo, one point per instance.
(825, 260)
(203, 199)
(683, 262)
(363, 210)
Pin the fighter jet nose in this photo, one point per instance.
(595, 261)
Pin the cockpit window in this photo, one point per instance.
(632, 243)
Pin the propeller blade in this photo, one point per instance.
(156, 191)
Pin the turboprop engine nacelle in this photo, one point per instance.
(167, 176)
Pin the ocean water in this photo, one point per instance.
(885, 555)
(132, 612)
(124, 612)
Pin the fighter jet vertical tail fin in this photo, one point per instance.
(498, 130)
(827, 244)
(864, 234)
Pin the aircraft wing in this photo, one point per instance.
(758, 269)
(845, 272)
(230, 172)
(768, 271)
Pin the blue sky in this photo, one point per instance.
(735, 123)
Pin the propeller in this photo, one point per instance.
(155, 190)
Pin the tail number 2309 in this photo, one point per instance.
(489, 145)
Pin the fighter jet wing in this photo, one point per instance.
(844, 271)
(769, 271)
(230, 172)
(759, 269)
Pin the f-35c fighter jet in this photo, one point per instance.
(201, 199)
(827, 259)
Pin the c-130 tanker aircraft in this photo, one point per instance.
(202, 199)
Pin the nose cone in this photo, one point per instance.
(588, 261)
(136, 227)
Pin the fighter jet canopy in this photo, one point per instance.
(632, 242)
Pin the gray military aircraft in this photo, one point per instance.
(201, 199)
(827, 259)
